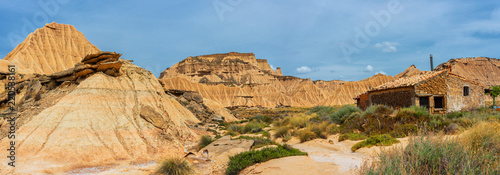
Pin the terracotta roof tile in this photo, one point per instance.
(465, 79)
(408, 81)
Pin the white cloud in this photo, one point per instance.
(387, 46)
(303, 70)
(381, 72)
(272, 67)
(369, 68)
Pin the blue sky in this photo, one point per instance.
(317, 39)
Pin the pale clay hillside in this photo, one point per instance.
(85, 111)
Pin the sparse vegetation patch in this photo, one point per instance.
(175, 166)
(476, 152)
(246, 159)
(376, 140)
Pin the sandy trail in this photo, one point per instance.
(339, 154)
(326, 156)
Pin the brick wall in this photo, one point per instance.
(363, 101)
(398, 98)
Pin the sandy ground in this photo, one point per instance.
(292, 165)
(326, 156)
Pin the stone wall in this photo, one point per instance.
(435, 85)
(397, 98)
(456, 100)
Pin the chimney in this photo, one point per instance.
(432, 64)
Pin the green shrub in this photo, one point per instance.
(236, 128)
(284, 122)
(413, 113)
(175, 166)
(352, 136)
(223, 125)
(281, 131)
(298, 122)
(475, 153)
(246, 159)
(306, 135)
(204, 141)
(319, 129)
(265, 134)
(231, 133)
(323, 112)
(370, 110)
(437, 123)
(376, 140)
(287, 137)
(343, 113)
(264, 119)
(253, 127)
(456, 114)
(404, 130)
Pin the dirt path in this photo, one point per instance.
(324, 158)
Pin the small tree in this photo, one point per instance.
(494, 92)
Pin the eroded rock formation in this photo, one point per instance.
(480, 69)
(412, 70)
(239, 79)
(205, 110)
(52, 48)
(232, 69)
(101, 118)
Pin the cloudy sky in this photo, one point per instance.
(317, 39)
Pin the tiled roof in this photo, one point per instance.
(464, 79)
(408, 81)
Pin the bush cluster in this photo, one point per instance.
(344, 113)
(175, 166)
(376, 140)
(250, 127)
(477, 152)
(352, 136)
(205, 141)
(304, 127)
(240, 161)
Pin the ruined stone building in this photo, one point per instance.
(439, 91)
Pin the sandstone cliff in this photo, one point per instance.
(480, 69)
(52, 48)
(239, 79)
(230, 69)
(106, 117)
